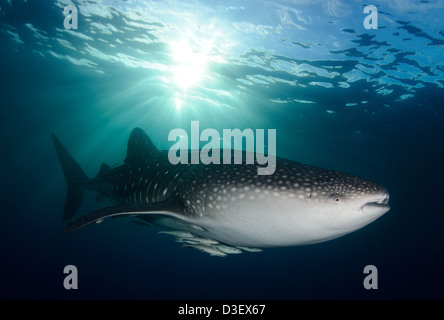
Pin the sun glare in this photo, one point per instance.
(189, 65)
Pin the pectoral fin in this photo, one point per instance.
(172, 208)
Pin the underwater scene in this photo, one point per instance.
(209, 150)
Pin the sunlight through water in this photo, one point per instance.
(190, 65)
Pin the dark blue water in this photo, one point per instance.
(365, 102)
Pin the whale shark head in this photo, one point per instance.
(342, 203)
(297, 205)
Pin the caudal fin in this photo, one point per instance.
(75, 178)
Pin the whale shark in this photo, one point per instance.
(223, 209)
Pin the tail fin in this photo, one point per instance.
(75, 178)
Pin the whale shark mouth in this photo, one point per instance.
(377, 206)
(383, 201)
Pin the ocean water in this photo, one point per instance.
(362, 101)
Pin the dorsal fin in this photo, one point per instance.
(139, 146)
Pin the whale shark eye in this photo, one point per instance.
(336, 196)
